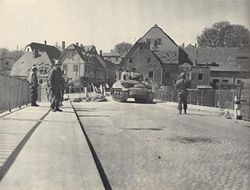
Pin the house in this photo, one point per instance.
(110, 69)
(82, 65)
(157, 56)
(140, 58)
(228, 65)
(36, 54)
(113, 57)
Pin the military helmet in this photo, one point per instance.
(34, 68)
(57, 62)
(182, 75)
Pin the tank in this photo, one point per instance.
(131, 85)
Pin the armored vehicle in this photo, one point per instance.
(131, 85)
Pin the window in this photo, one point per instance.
(225, 81)
(150, 74)
(65, 67)
(200, 76)
(242, 57)
(140, 48)
(148, 42)
(155, 43)
(239, 81)
(148, 59)
(75, 69)
(159, 41)
(130, 60)
(167, 75)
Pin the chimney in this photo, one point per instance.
(195, 45)
(45, 42)
(77, 43)
(100, 53)
(183, 45)
(81, 45)
(63, 45)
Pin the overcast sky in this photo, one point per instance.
(105, 23)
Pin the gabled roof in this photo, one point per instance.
(90, 49)
(97, 63)
(81, 51)
(131, 51)
(165, 57)
(52, 51)
(190, 46)
(22, 66)
(100, 59)
(157, 27)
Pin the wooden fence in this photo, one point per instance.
(214, 98)
(13, 93)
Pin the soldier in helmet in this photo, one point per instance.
(33, 81)
(181, 87)
(55, 81)
(62, 87)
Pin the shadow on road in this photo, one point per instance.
(190, 139)
(94, 115)
(133, 102)
(141, 129)
(203, 114)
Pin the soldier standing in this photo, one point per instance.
(181, 87)
(33, 81)
(55, 81)
(62, 88)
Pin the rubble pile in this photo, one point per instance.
(93, 98)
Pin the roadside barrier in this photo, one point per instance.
(14, 93)
(215, 98)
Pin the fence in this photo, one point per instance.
(214, 98)
(13, 93)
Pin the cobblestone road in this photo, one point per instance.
(150, 146)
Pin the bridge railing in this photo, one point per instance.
(13, 93)
(213, 98)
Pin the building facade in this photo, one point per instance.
(83, 66)
(157, 56)
(228, 66)
(36, 54)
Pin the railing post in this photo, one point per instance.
(10, 83)
(172, 95)
(197, 97)
(190, 98)
(202, 94)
